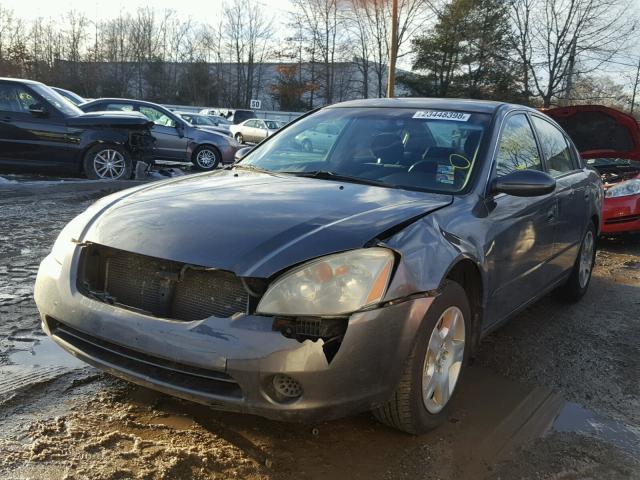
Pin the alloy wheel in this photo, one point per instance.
(206, 159)
(109, 164)
(586, 259)
(443, 361)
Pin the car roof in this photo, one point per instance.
(127, 100)
(474, 106)
(20, 80)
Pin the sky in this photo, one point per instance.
(203, 10)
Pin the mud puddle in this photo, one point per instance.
(42, 352)
(132, 432)
(35, 360)
(575, 419)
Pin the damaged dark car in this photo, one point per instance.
(359, 277)
(40, 130)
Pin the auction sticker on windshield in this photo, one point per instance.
(442, 115)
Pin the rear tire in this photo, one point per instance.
(578, 282)
(206, 158)
(107, 162)
(437, 361)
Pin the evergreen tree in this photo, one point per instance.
(467, 53)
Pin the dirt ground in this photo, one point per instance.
(554, 394)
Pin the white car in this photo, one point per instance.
(254, 130)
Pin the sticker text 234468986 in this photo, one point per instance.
(442, 115)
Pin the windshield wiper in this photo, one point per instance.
(329, 175)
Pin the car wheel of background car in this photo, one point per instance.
(307, 146)
(206, 158)
(239, 138)
(423, 396)
(107, 162)
(578, 282)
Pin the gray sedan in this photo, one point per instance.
(176, 139)
(326, 283)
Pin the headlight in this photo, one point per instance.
(630, 187)
(332, 285)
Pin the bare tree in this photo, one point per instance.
(370, 22)
(560, 39)
(248, 30)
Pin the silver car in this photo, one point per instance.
(254, 130)
(321, 137)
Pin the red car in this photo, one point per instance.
(609, 141)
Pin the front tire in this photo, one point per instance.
(239, 138)
(578, 282)
(422, 400)
(107, 162)
(206, 158)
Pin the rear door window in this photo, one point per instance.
(555, 148)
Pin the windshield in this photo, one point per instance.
(57, 100)
(405, 148)
(221, 121)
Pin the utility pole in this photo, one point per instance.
(391, 74)
(635, 88)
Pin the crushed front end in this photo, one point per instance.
(193, 332)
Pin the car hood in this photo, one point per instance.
(220, 130)
(251, 223)
(110, 119)
(599, 131)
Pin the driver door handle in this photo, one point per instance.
(7, 119)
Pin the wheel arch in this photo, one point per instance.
(468, 275)
(596, 223)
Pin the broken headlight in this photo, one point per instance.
(71, 233)
(333, 285)
(630, 187)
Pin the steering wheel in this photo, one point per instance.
(416, 167)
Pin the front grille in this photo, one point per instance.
(160, 287)
(625, 219)
(182, 376)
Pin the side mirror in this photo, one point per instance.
(37, 110)
(180, 129)
(524, 183)
(241, 153)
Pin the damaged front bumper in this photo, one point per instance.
(230, 363)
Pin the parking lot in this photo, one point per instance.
(552, 394)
